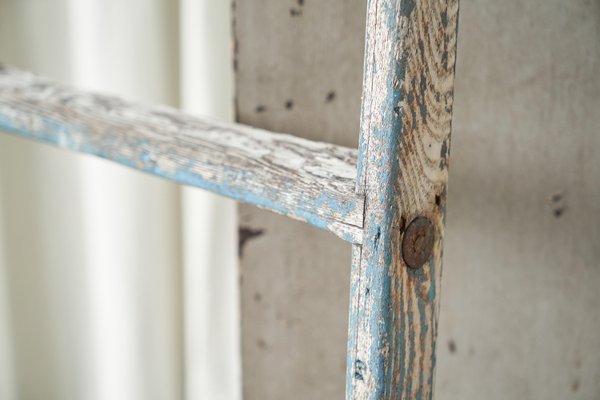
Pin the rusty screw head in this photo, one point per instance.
(417, 243)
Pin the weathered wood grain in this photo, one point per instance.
(405, 133)
(303, 179)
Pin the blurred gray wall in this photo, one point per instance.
(520, 302)
(520, 316)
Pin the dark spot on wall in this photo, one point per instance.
(557, 197)
(261, 344)
(438, 200)
(244, 235)
(359, 370)
(367, 292)
(295, 12)
(397, 110)
(330, 97)
(300, 3)
(289, 105)
(559, 205)
(575, 385)
(452, 346)
(257, 297)
(260, 109)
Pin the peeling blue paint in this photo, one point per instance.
(390, 332)
(73, 137)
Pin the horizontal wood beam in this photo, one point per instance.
(305, 180)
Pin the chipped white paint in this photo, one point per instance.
(306, 180)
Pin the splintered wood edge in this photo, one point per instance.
(302, 179)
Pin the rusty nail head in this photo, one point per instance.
(417, 243)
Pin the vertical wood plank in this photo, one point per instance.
(405, 134)
(299, 70)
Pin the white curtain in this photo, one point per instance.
(115, 284)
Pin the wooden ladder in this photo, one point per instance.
(387, 198)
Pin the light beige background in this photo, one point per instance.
(521, 298)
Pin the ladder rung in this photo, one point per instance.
(306, 180)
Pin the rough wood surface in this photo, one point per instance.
(305, 180)
(405, 133)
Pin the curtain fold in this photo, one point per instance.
(115, 284)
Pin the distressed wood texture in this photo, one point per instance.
(405, 137)
(306, 180)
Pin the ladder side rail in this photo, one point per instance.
(402, 171)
